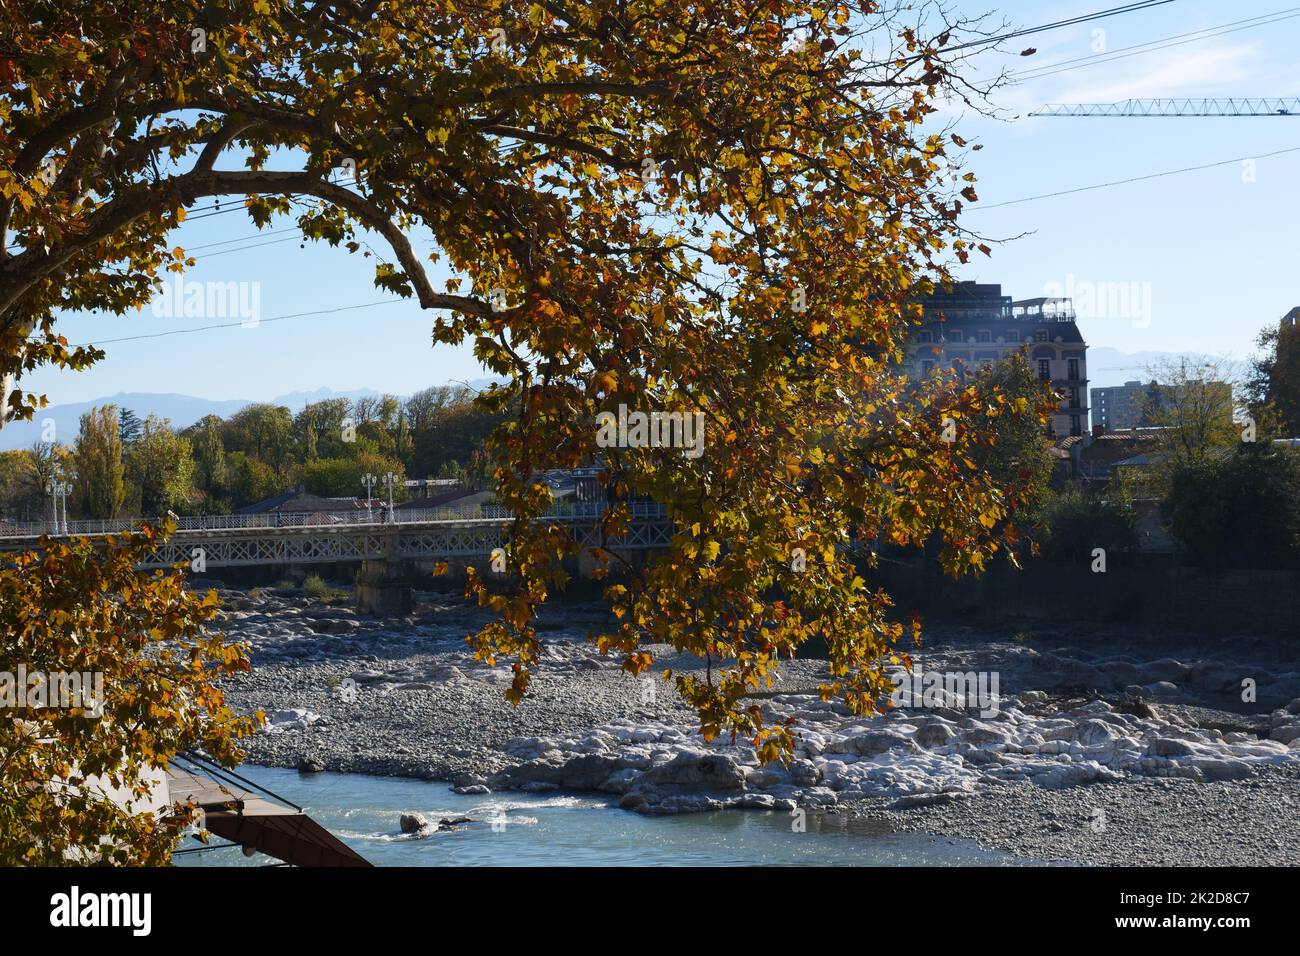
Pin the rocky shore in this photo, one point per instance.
(1102, 747)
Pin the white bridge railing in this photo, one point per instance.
(571, 510)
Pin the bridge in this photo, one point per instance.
(443, 534)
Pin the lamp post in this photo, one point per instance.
(51, 488)
(390, 480)
(59, 491)
(369, 481)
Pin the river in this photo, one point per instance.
(578, 830)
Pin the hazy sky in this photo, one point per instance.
(1206, 258)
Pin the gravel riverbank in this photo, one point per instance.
(1104, 746)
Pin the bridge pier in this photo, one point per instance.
(382, 589)
(381, 584)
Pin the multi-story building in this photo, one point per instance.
(1120, 406)
(1135, 405)
(975, 324)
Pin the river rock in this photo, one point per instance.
(413, 822)
(1165, 669)
(697, 772)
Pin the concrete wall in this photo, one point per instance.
(1147, 589)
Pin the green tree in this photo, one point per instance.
(161, 465)
(101, 485)
(209, 455)
(1241, 511)
(128, 426)
(251, 479)
(1079, 521)
(84, 608)
(1272, 387)
(341, 477)
(321, 430)
(264, 431)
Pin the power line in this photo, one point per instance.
(1062, 66)
(1134, 179)
(240, 324)
(1055, 25)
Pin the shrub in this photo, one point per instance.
(1242, 511)
(1077, 522)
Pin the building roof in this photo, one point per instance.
(297, 502)
(454, 497)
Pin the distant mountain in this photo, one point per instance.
(182, 410)
(1108, 367)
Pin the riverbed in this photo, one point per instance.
(580, 830)
(1104, 745)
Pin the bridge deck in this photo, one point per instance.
(443, 538)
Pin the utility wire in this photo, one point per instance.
(1062, 66)
(1055, 25)
(242, 323)
(1133, 179)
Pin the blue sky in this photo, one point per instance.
(1212, 252)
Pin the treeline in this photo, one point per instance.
(122, 465)
(1222, 488)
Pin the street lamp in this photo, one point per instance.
(390, 480)
(369, 481)
(59, 490)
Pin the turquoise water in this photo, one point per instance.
(560, 830)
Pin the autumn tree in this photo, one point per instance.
(25, 476)
(1019, 454)
(85, 608)
(1192, 421)
(726, 210)
(161, 465)
(101, 480)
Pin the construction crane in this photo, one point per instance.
(1257, 106)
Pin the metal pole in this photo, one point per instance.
(369, 481)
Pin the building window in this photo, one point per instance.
(1074, 397)
(1074, 425)
(1073, 366)
(1044, 369)
(1040, 335)
(985, 335)
(1013, 335)
(953, 335)
(927, 368)
(924, 337)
